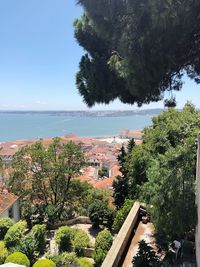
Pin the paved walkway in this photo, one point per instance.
(145, 232)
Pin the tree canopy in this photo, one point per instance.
(162, 170)
(137, 49)
(42, 175)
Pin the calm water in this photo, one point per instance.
(30, 126)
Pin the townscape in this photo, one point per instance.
(107, 174)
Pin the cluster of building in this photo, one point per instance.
(101, 154)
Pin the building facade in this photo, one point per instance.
(9, 205)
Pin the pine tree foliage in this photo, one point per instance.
(137, 49)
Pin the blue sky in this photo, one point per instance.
(39, 58)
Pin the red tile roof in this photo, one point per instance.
(6, 200)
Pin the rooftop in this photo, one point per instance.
(6, 200)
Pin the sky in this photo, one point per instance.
(39, 58)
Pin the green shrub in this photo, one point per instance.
(44, 263)
(102, 245)
(145, 256)
(100, 214)
(29, 246)
(18, 258)
(15, 234)
(80, 241)
(122, 214)
(67, 258)
(63, 237)
(85, 262)
(63, 259)
(3, 252)
(38, 232)
(5, 224)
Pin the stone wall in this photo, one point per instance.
(198, 204)
(120, 243)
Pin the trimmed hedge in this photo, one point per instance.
(38, 232)
(44, 263)
(102, 245)
(5, 224)
(63, 238)
(122, 214)
(80, 241)
(15, 234)
(18, 258)
(63, 259)
(3, 252)
(85, 262)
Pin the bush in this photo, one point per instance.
(18, 258)
(3, 252)
(38, 232)
(145, 256)
(102, 245)
(100, 213)
(63, 237)
(80, 241)
(85, 262)
(29, 246)
(15, 234)
(122, 214)
(63, 259)
(44, 263)
(5, 224)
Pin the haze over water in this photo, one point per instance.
(33, 125)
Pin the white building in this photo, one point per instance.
(9, 205)
(10, 264)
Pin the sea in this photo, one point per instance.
(34, 125)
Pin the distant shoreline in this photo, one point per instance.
(83, 113)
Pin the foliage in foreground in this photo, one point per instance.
(3, 252)
(84, 262)
(66, 237)
(63, 259)
(5, 224)
(18, 258)
(145, 256)
(122, 214)
(44, 263)
(15, 234)
(162, 171)
(136, 50)
(102, 245)
(80, 241)
(63, 238)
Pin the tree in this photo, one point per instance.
(131, 145)
(137, 50)
(163, 171)
(42, 175)
(145, 256)
(100, 214)
(120, 184)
